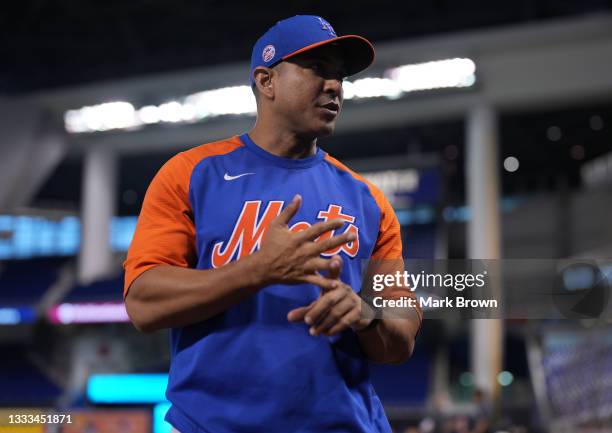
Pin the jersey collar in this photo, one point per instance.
(280, 161)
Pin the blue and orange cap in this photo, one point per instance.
(300, 33)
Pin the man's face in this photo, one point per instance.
(308, 91)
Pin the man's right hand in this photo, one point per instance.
(287, 257)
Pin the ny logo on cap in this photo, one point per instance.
(327, 26)
(268, 53)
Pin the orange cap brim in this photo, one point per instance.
(357, 52)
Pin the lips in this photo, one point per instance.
(330, 109)
(332, 106)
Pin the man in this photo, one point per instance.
(251, 250)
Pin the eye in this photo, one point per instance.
(326, 70)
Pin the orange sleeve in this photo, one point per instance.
(389, 242)
(165, 232)
(387, 253)
(388, 248)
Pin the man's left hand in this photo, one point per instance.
(337, 309)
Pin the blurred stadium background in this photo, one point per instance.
(489, 124)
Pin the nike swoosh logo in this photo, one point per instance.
(228, 177)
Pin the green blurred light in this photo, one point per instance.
(505, 378)
(466, 379)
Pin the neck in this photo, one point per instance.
(284, 143)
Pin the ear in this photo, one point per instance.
(263, 78)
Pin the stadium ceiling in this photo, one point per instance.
(54, 44)
(65, 60)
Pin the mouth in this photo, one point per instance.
(331, 108)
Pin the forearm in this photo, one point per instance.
(392, 340)
(170, 296)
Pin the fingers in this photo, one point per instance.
(319, 280)
(298, 314)
(290, 210)
(316, 230)
(320, 308)
(331, 243)
(320, 264)
(335, 311)
(332, 316)
(335, 267)
(344, 323)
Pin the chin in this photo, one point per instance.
(325, 130)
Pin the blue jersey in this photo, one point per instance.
(248, 369)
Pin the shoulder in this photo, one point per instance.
(182, 164)
(376, 193)
(221, 147)
(195, 155)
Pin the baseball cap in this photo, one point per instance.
(292, 36)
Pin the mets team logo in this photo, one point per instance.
(327, 26)
(250, 229)
(268, 53)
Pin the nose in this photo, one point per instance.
(333, 87)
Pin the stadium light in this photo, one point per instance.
(434, 75)
(466, 379)
(149, 114)
(511, 164)
(103, 117)
(69, 313)
(505, 378)
(127, 388)
(171, 112)
(17, 315)
(239, 100)
(219, 102)
(372, 88)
